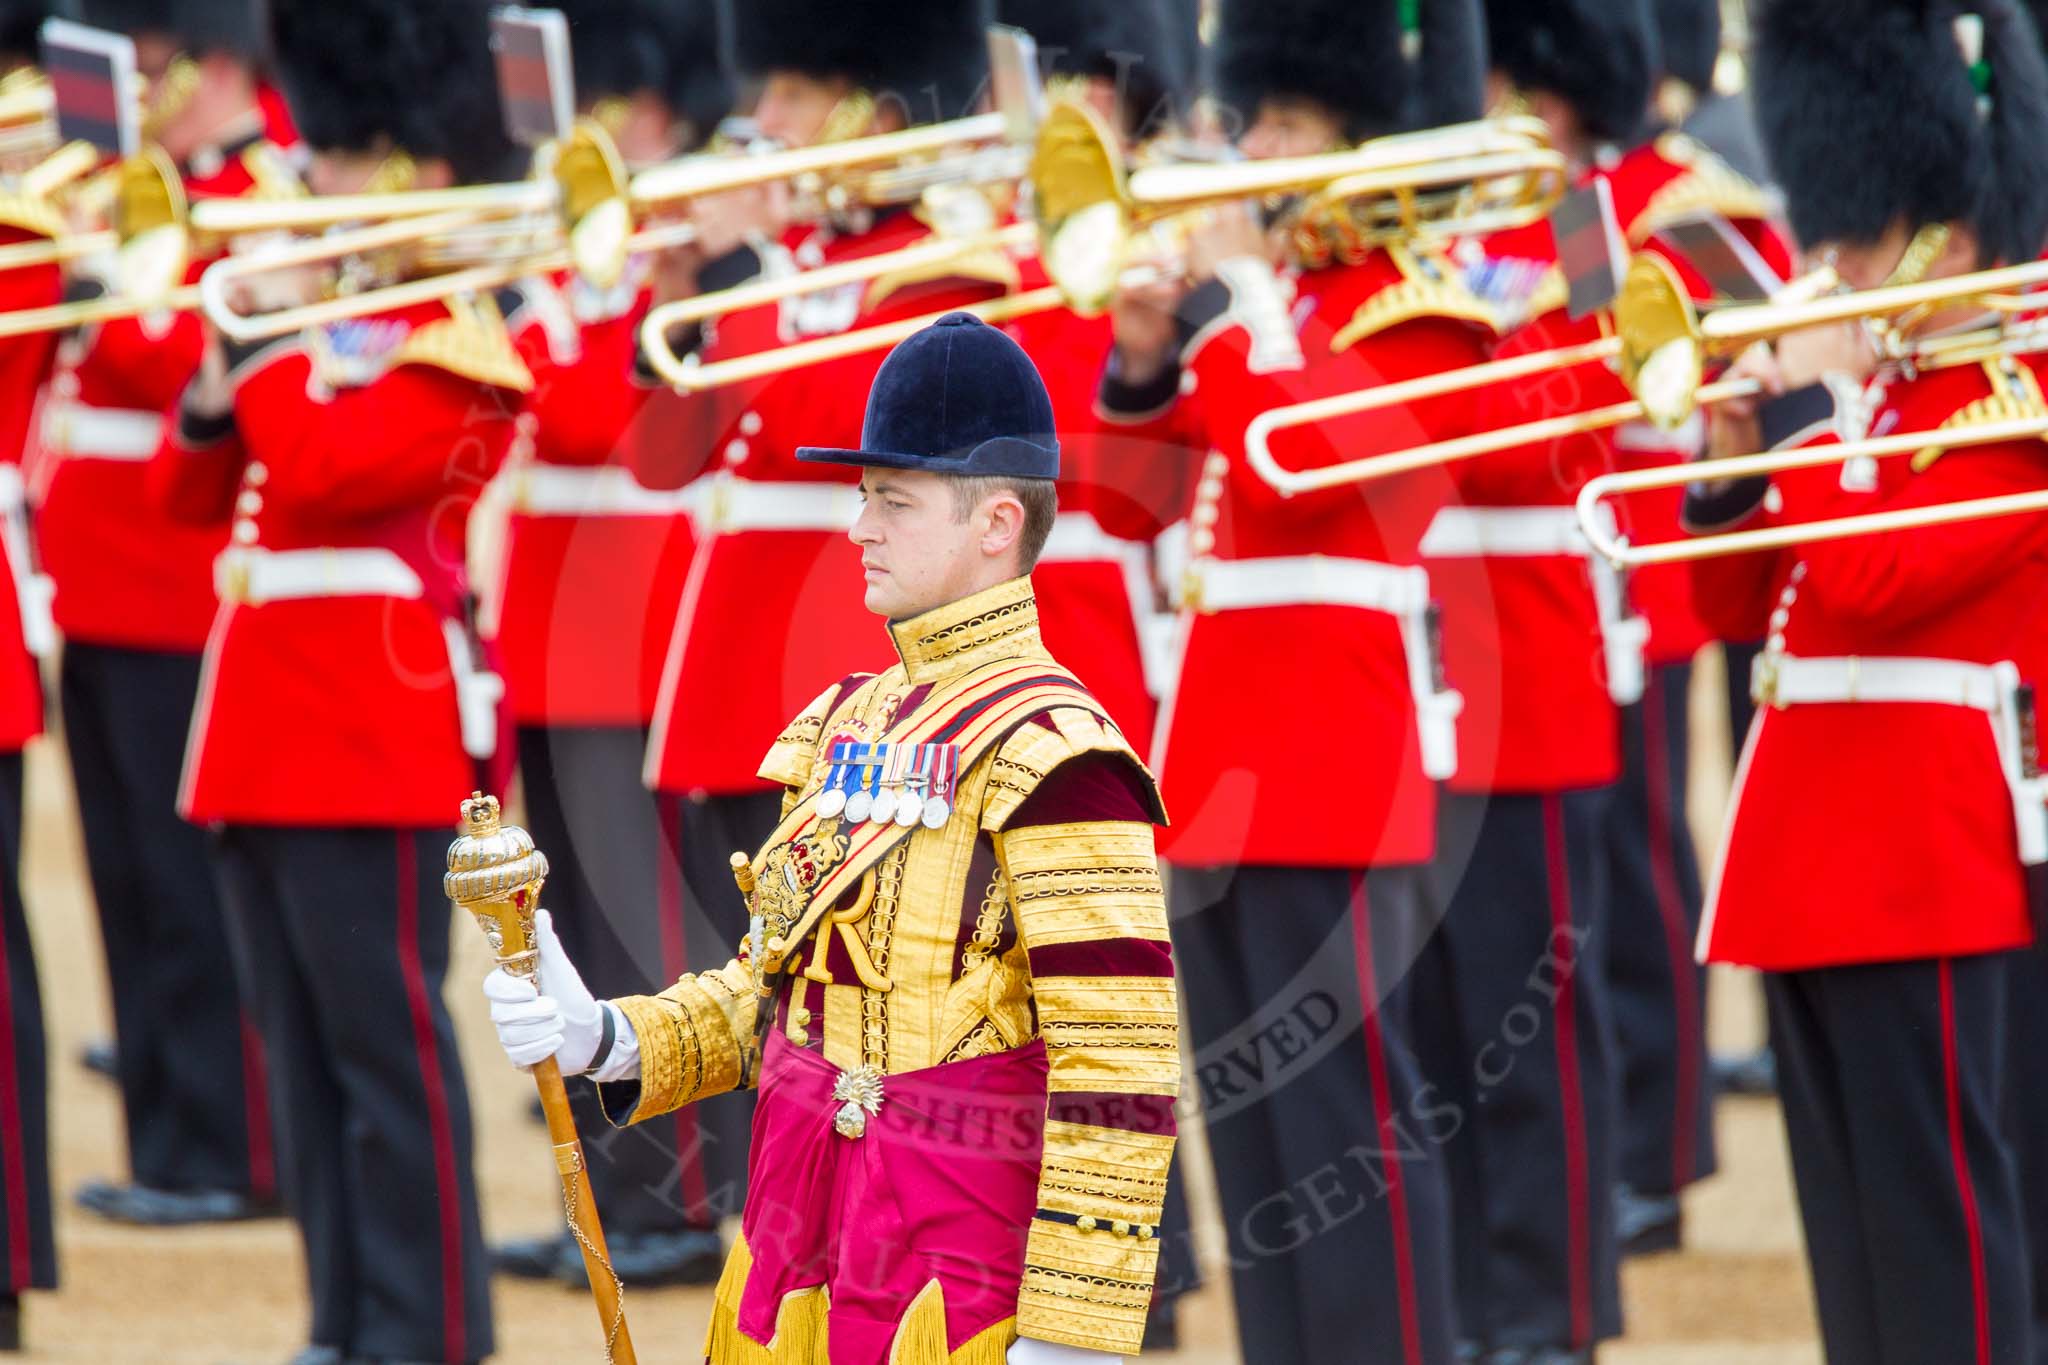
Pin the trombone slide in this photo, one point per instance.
(1613, 546)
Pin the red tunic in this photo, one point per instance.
(1091, 598)
(1880, 831)
(341, 710)
(24, 365)
(1523, 635)
(770, 615)
(1289, 736)
(126, 574)
(586, 601)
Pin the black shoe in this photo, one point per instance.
(1748, 1073)
(10, 1322)
(649, 1259)
(100, 1059)
(1646, 1224)
(1162, 1325)
(146, 1207)
(1540, 1355)
(320, 1355)
(534, 1258)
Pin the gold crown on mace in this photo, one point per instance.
(490, 861)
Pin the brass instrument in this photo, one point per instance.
(1445, 182)
(1660, 348)
(572, 213)
(151, 238)
(1463, 180)
(1614, 546)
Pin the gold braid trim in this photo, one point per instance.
(1708, 184)
(1088, 1289)
(2015, 396)
(794, 754)
(470, 343)
(1072, 883)
(802, 1327)
(692, 1037)
(31, 214)
(1116, 1034)
(1431, 290)
(1022, 760)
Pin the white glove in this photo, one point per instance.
(1031, 1351)
(566, 1024)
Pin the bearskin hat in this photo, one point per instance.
(1600, 56)
(929, 57)
(1352, 57)
(199, 26)
(674, 48)
(364, 74)
(21, 23)
(1689, 37)
(1132, 43)
(1871, 115)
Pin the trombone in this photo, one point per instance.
(572, 213)
(1599, 525)
(1453, 181)
(1660, 347)
(151, 239)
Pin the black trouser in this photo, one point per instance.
(190, 1069)
(1325, 1145)
(1656, 986)
(1512, 1026)
(25, 1236)
(344, 934)
(1740, 657)
(2026, 1107)
(615, 889)
(1891, 1076)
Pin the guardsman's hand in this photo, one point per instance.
(1807, 356)
(1732, 427)
(566, 1023)
(1142, 319)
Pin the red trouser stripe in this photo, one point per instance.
(1383, 1120)
(1685, 1000)
(1578, 1236)
(445, 1184)
(256, 1114)
(1960, 1154)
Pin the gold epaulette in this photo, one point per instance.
(2015, 396)
(271, 177)
(794, 754)
(472, 342)
(31, 214)
(1709, 184)
(1432, 290)
(1029, 755)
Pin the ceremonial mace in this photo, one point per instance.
(495, 873)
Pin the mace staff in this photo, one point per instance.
(495, 873)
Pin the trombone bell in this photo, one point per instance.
(1081, 198)
(148, 218)
(1662, 355)
(590, 177)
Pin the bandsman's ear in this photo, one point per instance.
(1005, 512)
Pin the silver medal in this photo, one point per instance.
(909, 811)
(936, 812)
(831, 803)
(884, 807)
(857, 807)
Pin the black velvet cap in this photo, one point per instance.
(959, 397)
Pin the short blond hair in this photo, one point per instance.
(1041, 501)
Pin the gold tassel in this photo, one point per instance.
(799, 1323)
(921, 1338)
(800, 1331)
